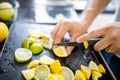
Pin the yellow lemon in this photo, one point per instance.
(52, 77)
(59, 76)
(29, 74)
(6, 11)
(101, 69)
(3, 31)
(60, 51)
(93, 66)
(79, 75)
(33, 64)
(96, 75)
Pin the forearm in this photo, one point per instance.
(92, 9)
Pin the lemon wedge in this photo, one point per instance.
(52, 77)
(33, 64)
(96, 75)
(93, 66)
(79, 75)
(59, 76)
(101, 69)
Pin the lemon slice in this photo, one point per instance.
(86, 70)
(52, 77)
(96, 75)
(29, 74)
(101, 69)
(56, 67)
(22, 55)
(79, 75)
(93, 66)
(67, 73)
(46, 60)
(60, 51)
(33, 64)
(59, 76)
(42, 72)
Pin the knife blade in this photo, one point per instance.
(91, 42)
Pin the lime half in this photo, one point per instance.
(22, 55)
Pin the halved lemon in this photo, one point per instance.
(67, 73)
(60, 51)
(46, 60)
(22, 55)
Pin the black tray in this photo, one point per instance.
(11, 70)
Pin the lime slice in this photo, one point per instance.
(22, 55)
(60, 51)
(46, 60)
(93, 66)
(56, 67)
(96, 75)
(33, 64)
(101, 69)
(42, 72)
(86, 70)
(79, 75)
(36, 48)
(29, 74)
(67, 73)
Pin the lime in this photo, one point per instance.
(46, 60)
(33, 64)
(42, 72)
(60, 51)
(101, 69)
(67, 73)
(22, 55)
(36, 48)
(93, 66)
(29, 74)
(3, 31)
(56, 67)
(6, 11)
(86, 70)
(79, 75)
(96, 75)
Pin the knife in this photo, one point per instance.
(91, 42)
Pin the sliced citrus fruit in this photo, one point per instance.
(60, 51)
(44, 36)
(101, 69)
(29, 74)
(52, 77)
(33, 64)
(79, 75)
(67, 73)
(86, 70)
(46, 60)
(59, 76)
(22, 55)
(42, 72)
(96, 75)
(34, 33)
(36, 48)
(93, 66)
(56, 67)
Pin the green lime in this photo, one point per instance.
(42, 72)
(36, 48)
(22, 55)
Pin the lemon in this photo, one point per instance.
(46, 43)
(46, 60)
(3, 31)
(93, 66)
(42, 72)
(79, 75)
(52, 77)
(60, 51)
(101, 69)
(22, 55)
(59, 76)
(44, 36)
(86, 70)
(96, 75)
(34, 34)
(67, 73)
(36, 48)
(56, 67)
(33, 64)
(6, 11)
(29, 74)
